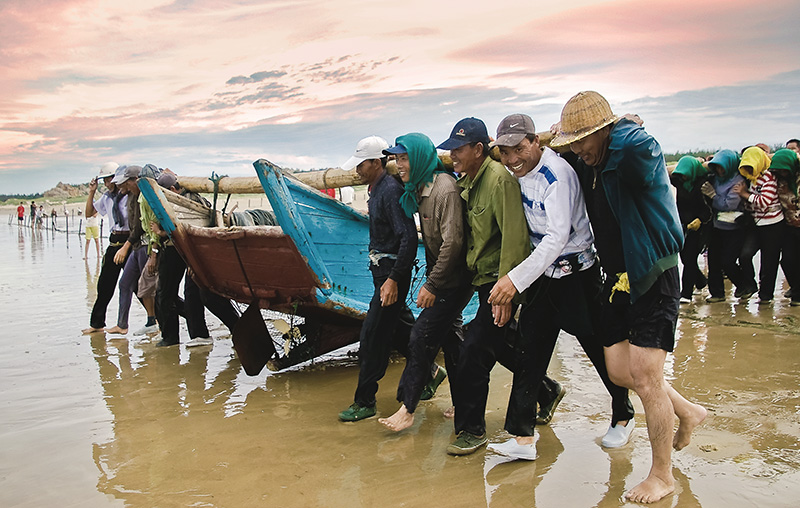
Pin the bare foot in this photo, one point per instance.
(450, 412)
(687, 425)
(401, 420)
(650, 490)
(90, 330)
(117, 330)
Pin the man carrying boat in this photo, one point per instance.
(498, 241)
(392, 251)
(635, 221)
(433, 192)
(560, 278)
(112, 204)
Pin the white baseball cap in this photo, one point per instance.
(107, 169)
(371, 147)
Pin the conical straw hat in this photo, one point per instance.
(584, 114)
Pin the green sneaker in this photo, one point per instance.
(466, 443)
(546, 413)
(430, 389)
(356, 412)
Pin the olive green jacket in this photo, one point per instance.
(498, 239)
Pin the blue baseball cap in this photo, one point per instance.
(468, 130)
(397, 149)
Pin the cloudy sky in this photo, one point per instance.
(212, 85)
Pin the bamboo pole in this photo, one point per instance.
(332, 178)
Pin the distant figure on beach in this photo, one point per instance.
(21, 213)
(433, 192)
(392, 250)
(561, 280)
(348, 194)
(33, 214)
(92, 233)
(635, 221)
(40, 216)
(497, 241)
(111, 204)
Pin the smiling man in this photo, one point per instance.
(497, 242)
(561, 276)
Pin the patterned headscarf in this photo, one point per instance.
(424, 162)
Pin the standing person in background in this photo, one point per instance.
(762, 199)
(728, 231)
(497, 242)
(92, 233)
(21, 216)
(33, 211)
(794, 145)
(392, 250)
(635, 221)
(433, 192)
(695, 214)
(785, 165)
(113, 205)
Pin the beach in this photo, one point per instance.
(98, 421)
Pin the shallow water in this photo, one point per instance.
(101, 421)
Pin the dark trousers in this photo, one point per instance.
(750, 247)
(129, 283)
(433, 329)
(573, 304)
(770, 241)
(171, 268)
(197, 300)
(790, 259)
(724, 249)
(377, 333)
(693, 244)
(107, 281)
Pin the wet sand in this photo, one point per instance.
(101, 421)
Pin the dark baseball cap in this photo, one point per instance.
(513, 129)
(468, 130)
(395, 150)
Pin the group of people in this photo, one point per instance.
(150, 266)
(734, 205)
(37, 214)
(587, 243)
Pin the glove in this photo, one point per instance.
(708, 190)
(622, 285)
(694, 225)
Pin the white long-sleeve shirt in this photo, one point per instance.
(557, 222)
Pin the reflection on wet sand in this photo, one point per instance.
(186, 427)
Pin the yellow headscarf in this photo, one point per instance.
(757, 159)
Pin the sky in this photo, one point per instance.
(202, 86)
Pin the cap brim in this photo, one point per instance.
(395, 150)
(452, 144)
(566, 138)
(352, 162)
(118, 180)
(508, 140)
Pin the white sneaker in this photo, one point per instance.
(200, 341)
(146, 330)
(514, 450)
(618, 435)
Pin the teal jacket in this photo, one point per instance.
(639, 192)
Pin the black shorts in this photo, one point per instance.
(648, 322)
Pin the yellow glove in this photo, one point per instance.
(622, 285)
(694, 225)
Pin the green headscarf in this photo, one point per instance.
(423, 162)
(728, 160)
(788, 160)
(690, 168)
